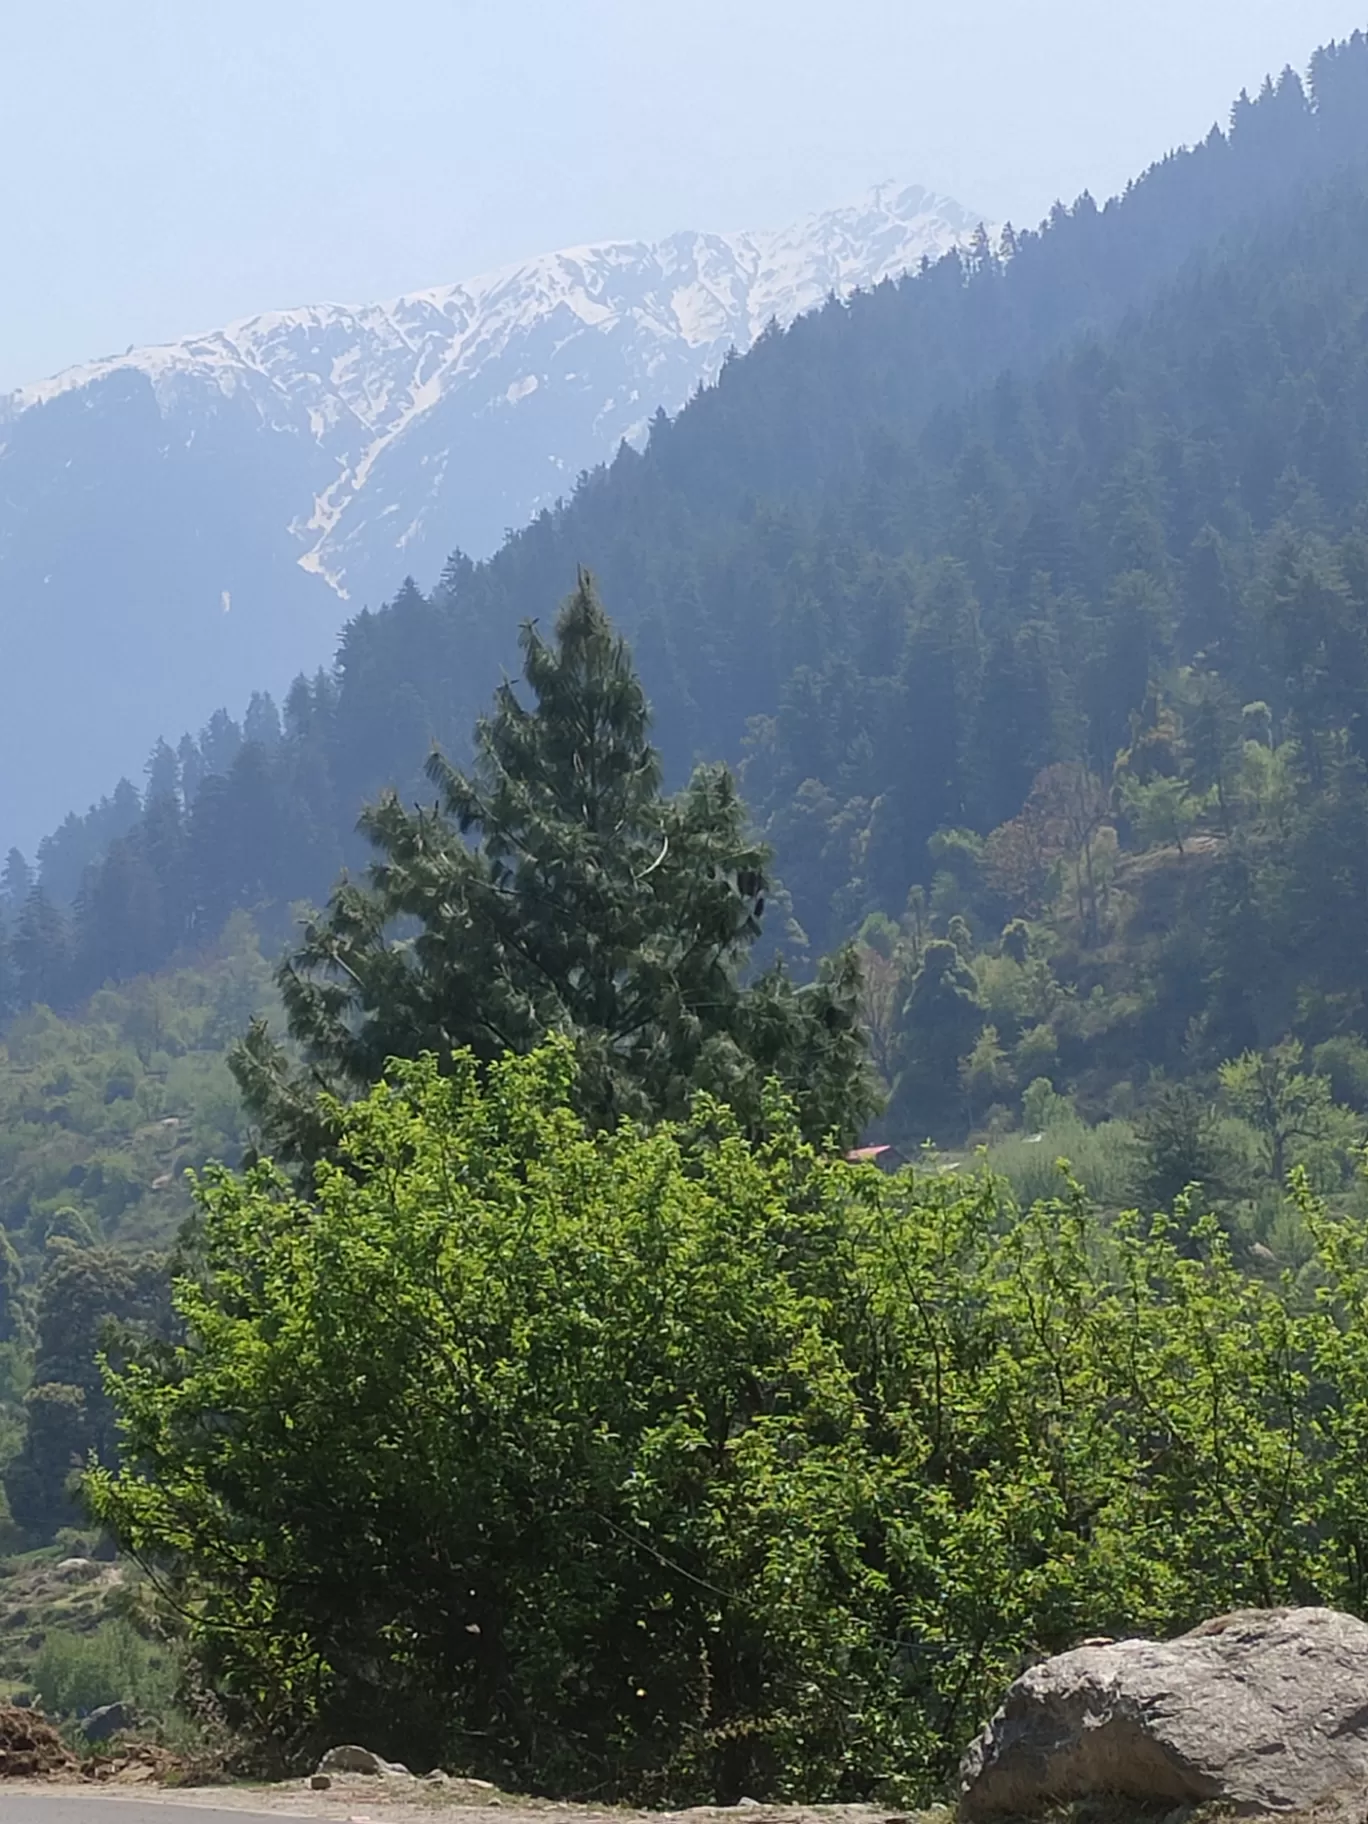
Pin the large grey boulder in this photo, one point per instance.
(1266, 1710)
(109, 1720)
(348, 1757)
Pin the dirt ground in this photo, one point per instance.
(359, 1800)
(370, 1801)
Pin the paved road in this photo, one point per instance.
(101, 1808)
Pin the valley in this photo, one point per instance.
(231, 499)
(741, 1115)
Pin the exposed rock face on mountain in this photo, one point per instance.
(182, 524)
(1264, 1711)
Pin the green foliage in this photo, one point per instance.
(1032, 623)
(89, 1301)
(927, 544)
(1343, 1062)
(74, 1161)
(555, 889)
(1037, 1052)
(1043, 1108)
(647, 1576)
(1016, 994)
(1101, 1158)
(986, 1072)
(958, 853)
(690, 1465)
(1016, 941)
(75, 1673)
(685, 1466)
(1180, 1149)
(11, 1280)
(39, 1480)
(88, 1181)
(1290, 1110)
(1162, 810)
(942, 1023)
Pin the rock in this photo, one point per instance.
(320, 1782)
(139, 1764)
(73, 1568)
(349, 1758)
(108, 1720)
(1265, 1710)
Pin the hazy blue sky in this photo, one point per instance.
(168, 164)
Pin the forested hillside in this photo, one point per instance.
(1077, 503)
(965, 744)
(101, 1117)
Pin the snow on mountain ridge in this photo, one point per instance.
(178, 524)
(802, 267)
(362, 386)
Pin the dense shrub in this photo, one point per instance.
(682, 1466)
(1102, 1159)
(75, 1673)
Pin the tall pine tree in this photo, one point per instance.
(554, 888)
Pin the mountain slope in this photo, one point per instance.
(896, 610)
(180, 523)
(703, 543)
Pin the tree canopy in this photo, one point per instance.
(554, 888)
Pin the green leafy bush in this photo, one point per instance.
(1101, 1159)
(75, 1673)
(1344, 1061)
(685, 1467)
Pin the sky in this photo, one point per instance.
(168, 165)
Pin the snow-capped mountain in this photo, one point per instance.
(180, 524)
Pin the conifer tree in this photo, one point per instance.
(11, 1280)
(9, 979)
(16, 883)
(118, 918)
(554, 888)
(163, 773)
(192, 768)
(262, 721)
(41, 949)
(944, 1018)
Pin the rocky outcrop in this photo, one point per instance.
(1265, 1710)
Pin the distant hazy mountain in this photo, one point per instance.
(181, 524)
